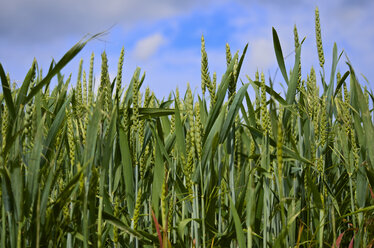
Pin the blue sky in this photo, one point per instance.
(163, 37)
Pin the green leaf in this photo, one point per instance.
(238, 225)
(17, 183)
(241, 60)
(45, 194)
(317, 201)
(279, 55)
(7, 94)
(109, 139)
(128, 173)
(69, 55)
(32, 183)
(294, 154)
(182, 226)
(129, 92)
(361, 187)
(62, 198)
(142, 236)
(340, 83)
(179, 132)
(162, 148)
(361, 210)
(251, 118)
(292, 86)
(366, 117)
(6, 189)
(25, 87)
(154, 112)
(158, 179)
(209, 145)
(54, 129)
(330, 87)
(233, 111)
(335, 61)
(270, 91)
(92, 130)
(221, 93)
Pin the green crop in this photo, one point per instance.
(119, 168)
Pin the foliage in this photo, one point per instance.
(123, 169)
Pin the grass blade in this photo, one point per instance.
(238, 225)
(233, 111)
(60, 64)
(279, 55)
(7, 94)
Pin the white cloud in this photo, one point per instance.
(261, 53)
(45, 28)
(44, 20)
(345, 24)
(148, 46)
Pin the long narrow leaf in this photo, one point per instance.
(7, 94)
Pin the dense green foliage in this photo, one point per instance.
(123, 169)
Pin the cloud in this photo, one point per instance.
(261, 53)
(287, 4)
(149, 45)
(45, 29)
(169, 69)
(45, 20)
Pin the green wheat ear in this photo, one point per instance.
(4, 125)
(119, 73)
(91, 80)
(199, 131)
(297, 44)
(265, 118)
(321, 56)
(205, 78)
(228, 54)
(70, 137)
(340, 92)
(212, 90)
(79, 93)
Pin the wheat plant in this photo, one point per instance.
(121, 168)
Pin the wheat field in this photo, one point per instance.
(121, 168)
